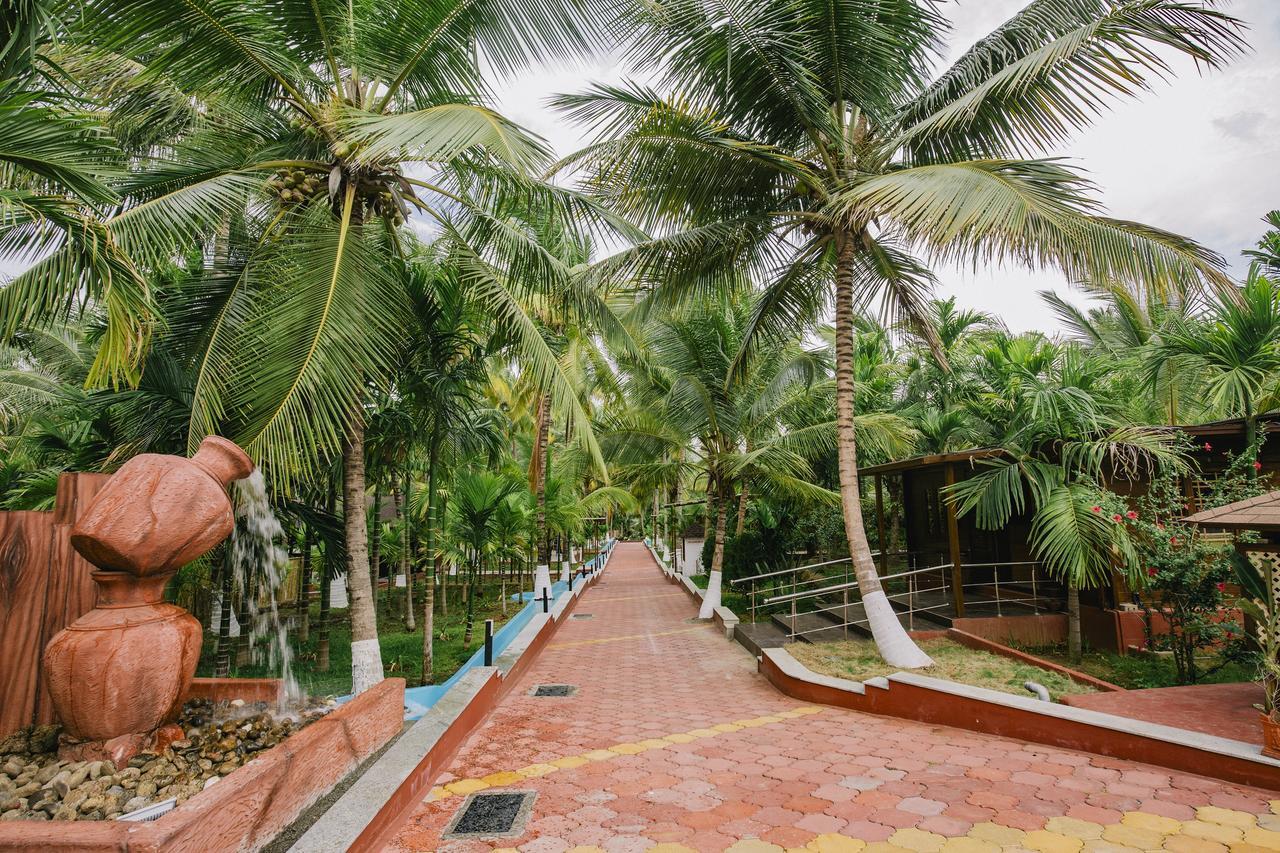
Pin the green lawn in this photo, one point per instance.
(858, 660)
(1136, 672)
(401, 649)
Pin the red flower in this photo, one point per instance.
(1160, 525)
(1131, 515)
(1151, 572)
(1221, 586)
(1207, 446)
(1117, 517)
(1096, 508)
(1173, 540)
(1257, 466)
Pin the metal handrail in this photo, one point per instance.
(789, 571)
(813, 593)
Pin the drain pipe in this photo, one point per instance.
(1039, 690)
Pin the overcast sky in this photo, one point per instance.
(1199, 155)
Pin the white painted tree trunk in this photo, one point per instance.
(711, 599)
(895, 645)
(541, 581)
(565, 569)
(366, 665)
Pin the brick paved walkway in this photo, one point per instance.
(672, 742)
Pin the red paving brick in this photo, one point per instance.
(644, 672)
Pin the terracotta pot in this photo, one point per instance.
(1270, 737)
(124, 667)
(158, 513)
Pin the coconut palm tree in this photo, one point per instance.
(1234, 348)
(692, 418)
(803, 143)
(1055, 419)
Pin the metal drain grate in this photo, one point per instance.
(581, 616)
(554, 690)
(492, 814)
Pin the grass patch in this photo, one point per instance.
(1138, 672)
(858, 660)
(401, 648)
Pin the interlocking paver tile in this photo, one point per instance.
(674, 743)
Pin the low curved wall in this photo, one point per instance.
(248, 808)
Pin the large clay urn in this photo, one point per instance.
(125, 667)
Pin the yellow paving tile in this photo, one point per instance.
(918, 840)
(626, 748)
(702, 733)
(727, 727)
(1132, 836)
(462, 787)
(754, 845)
(599, 755)
(569, 762)
(772, 718)
(808, 710)
(1082, 829)
(1005, 836)
(516, 850)
(1262, 838)
(1098, 845)
(680, 738)
(1269, 821)
(1212, 831)
(833, 842)
(671, 848)
(438, 793)
(1051, 842)
(1226, 817)
(1188, 844)
(1275, 806)
(502, 777)
(1151, 822)
(1250, 848)
(882, 847)
(535, 770)
(964, 844)
(655, 743)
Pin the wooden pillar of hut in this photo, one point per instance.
(953, 544)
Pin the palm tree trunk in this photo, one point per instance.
(222, 656)
(406, 569)
(711, 600)
(1075, 648)
(471, 600)
(326, 590)
(742, 510)
(429, 602)
(304, 586)
(894, 644)
(542, 575)
(366, 654)
(375, 550)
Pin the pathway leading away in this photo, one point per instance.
(672, 741)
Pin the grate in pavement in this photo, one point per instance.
(581, 616)
(492, 814)
(554, 690)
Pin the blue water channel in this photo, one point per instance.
(418, 700)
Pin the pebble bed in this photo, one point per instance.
(36, 785)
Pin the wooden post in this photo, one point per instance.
(953, 543)
(884, 544)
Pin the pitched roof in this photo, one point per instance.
(1260, 513)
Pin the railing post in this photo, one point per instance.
(1035, 599)
(995, 577)
(488, 642)
(792, 633)
(911, 601)
(546, 602)
(844, 614)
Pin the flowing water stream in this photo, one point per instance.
(260, 558)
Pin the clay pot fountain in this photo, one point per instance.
(121, 672)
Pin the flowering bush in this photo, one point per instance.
(1185, 576)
